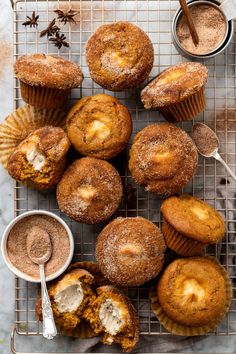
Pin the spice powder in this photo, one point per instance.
(210, 26)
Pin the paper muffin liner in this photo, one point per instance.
(19, 124)
(179, 243)
(82, 331)
(181, 330)
(43, 97)
(186, 109)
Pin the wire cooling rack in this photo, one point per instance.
(210, 182)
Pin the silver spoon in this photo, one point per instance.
(39, 250)
(208, 143)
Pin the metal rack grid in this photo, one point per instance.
(210, 182)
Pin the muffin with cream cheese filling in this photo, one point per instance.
(190, 224)
(113, 317)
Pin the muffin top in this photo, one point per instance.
(163, 158)
(193, 218)
(130, 251)
(99, 126)
(113, 316)
(119, 56)
(194, 292)
(39, 160)
(48, 70)
(90, 190)
(174, 85)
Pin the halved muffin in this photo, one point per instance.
(113, 317)
(177, 92)
(40, 159)
(69, 296)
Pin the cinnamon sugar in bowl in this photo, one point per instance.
(214, 30)
(14, 245)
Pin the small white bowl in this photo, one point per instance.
(15, 270)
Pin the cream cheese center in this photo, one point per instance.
(70, 298)
(111, 317)
(36, 159)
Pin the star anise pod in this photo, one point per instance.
(66, 15)
(59, 40)
(32, 21)
(50, 30)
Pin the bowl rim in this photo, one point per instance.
(217, 50)
(15, 270)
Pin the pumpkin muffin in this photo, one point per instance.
(90, 191)
(163, 158)
(190, 224)
(130, 251)
(69, 296)
(113, 317)
(99, 126)
(23, 121)
(40, 159)
(45, 80)
(192, 296)
(119, 56)
(177, 92)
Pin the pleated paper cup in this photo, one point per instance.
(181, 244)
(43, 97)
(186, 109)
(82, 331)
(19, 124)
(182, 330)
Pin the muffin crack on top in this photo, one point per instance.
(119, 56)
(163, 158)
(48, 70)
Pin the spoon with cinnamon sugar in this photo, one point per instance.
(39, 249)
(208, 143)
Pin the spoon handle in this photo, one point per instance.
(49, 327)
(219, 158)
(190, 22)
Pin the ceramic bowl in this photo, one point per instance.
(15, 270)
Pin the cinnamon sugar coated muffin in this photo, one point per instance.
(99, 126)
(70, 295)
(190, 224)
(90, 191)
(163, 158)
(177, 92)
(119, 56)
(130, 251)
(46, 80)
(193, 295)
(40, 159)
(113, 318)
